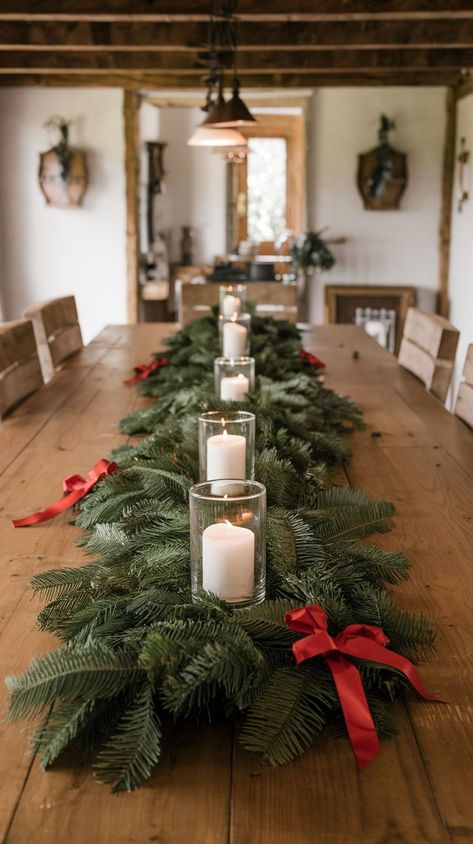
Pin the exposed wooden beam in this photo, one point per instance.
(265, 62)
(189, 36)
(148, 80)
(131, 108)
(262, 78)
(255, 10)
(448, 173)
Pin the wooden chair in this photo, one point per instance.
(464, 402)
(20, 370)
(273, 298)
(428, 349)
(57, 331)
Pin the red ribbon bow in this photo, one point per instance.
(76, 487)
(362, 641)
(144, 370)
(311, 359)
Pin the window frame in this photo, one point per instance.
(290, 127)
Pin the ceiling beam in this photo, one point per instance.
(266, 77)
(272, 61)
(253, 10)
(189, 36)
(149, 80)
(185, 64)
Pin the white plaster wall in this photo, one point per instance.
(48, 252)
(396, 247)
(461, 253)
(194, 186)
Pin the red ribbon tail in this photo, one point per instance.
(371, 651)
(53, 510)
(140, 376)
(77, 487)
(356, 712)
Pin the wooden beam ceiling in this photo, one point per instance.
(309, 43)
(252, 10)
(271, 61)
(292, 36)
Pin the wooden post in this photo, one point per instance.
(448, 173)
(131, 106)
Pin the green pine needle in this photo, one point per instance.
(133, 750)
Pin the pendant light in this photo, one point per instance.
(233, 155)
(216, 110)
(233, 113)
(222, 115)
(208, 136)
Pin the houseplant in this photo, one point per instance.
(310, 254)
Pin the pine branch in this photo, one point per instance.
(134, 749)
(289, 714)
(92, 672)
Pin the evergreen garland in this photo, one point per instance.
(138, 654)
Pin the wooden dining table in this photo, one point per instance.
(207, 789)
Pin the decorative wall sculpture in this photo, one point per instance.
(382, 173)
(62, 169)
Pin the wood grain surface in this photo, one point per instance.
(207, 790)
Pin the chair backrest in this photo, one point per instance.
(20, 370)
(428, 349)
(464, 402)
(57, 331)
(273, 298)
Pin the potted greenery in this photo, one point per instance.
(310, 254)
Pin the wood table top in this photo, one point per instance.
(206, 789)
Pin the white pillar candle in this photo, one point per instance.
(234, 387)
(228, 562)
(234, 340)
(231, 305)
(226, 456)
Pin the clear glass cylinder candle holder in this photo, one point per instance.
(234, 334)
(232, 299)
(226, 446)
(234, 378)
(228, 548)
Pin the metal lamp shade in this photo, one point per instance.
(208, 136)
(232, 113)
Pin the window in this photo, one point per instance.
(266, 193)
(266, 189)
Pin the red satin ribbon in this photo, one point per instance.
(362, 641)
(76, 487)
(144, 370)
(311, 359)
